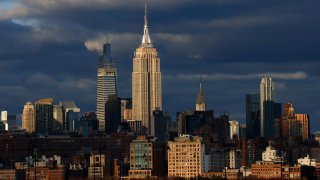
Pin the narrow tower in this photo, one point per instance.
(201, 99)
(107, 83)
(266, 108)
(146, 79)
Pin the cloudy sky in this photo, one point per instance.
(49, 48)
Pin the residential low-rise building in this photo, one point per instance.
(269, 170)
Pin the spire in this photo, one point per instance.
(146, 41)
(201, 99)
(107, 51)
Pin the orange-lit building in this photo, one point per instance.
(263, 170)
(46, 172)
(304, 121)
(8, 174)
(229, 174)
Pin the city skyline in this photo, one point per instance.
(52, 61)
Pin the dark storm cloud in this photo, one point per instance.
(49, 48)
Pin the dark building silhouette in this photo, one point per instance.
(268, 116)
(158, 125)
(203, 123)
(277, 119)
(88, 123)
(113, 113)
(44, 116)
(190, 120)
(253, 115)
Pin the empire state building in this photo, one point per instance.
(146, 80)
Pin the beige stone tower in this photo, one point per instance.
(146, 80)
(29, 117)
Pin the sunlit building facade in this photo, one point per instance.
(29, 117)
(146, 80)
(185, 156)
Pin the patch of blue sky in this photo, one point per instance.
(7, 4)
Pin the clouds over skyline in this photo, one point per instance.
(50, 48)
(217, 77)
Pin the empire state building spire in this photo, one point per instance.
(146, 41)
(146, 81)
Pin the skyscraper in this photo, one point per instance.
(253, 115)
(44, 116)
(304, 120)
(29, 117)
(107, 83)
(201, 100)
(266, 107)
(113, 113)
(146, 80)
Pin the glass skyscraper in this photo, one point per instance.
(267, 108)
(107, 83)
(253, 115)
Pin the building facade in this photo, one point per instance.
(44, 116)
(141, 158)
(234, 129)
(253, 115)
(29, 118)
(304, 121)
(185, 156)
(106, 84)
(113, 113)
(71, 115)
(126, 109)
(266, 108)
(58, 117)
(146, 80)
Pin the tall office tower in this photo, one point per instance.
(234, 129)
(44, 116)
(113, 113)
(185, 156)
(58, 117)
(304, 120)
(71, 115)
(29, 118)
(266, 108)
(107, 83)
(253, 115)
(146, 80)
(201, 100)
